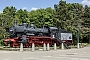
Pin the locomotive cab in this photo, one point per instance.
(53, 31)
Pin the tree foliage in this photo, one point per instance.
(41, 17)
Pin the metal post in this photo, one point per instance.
(21, 47)
(55, 47)
(48, 47)
(62, 46)
(78, 46)
(33, 47)
(44, 47)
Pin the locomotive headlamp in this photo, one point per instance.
(11, 30)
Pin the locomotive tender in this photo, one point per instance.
(28, 34)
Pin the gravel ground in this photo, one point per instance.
(70, 54)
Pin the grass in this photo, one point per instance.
(1, 48)
(88, 44)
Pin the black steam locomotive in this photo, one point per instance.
(28, 34)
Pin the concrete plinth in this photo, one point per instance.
(8, 45)
(21, 47)
(62, 47)
(55, 47)
(48, 48)
(33, 47)
(78, 45)
(44, 47)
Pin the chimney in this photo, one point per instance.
(15, 22)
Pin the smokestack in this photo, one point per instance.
(15, 22)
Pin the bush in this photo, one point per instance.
(1, 42)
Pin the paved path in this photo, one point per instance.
(71, 54)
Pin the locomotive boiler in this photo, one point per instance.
(28, 34)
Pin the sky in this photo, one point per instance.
(36, 4)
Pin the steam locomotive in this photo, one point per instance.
(28, 34)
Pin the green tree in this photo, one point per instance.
(61, 14)
(8, 16)
(41, 17)
(21, 16)
(86, 23)
(6, 19)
